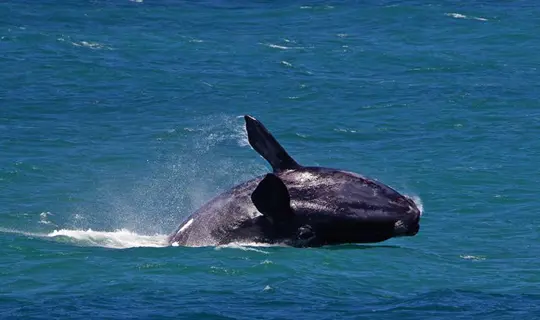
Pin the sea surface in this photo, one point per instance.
(120, 118)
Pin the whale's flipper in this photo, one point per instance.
(272, 199)
(267, 146)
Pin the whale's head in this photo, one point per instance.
(408, 223)
(314, 206)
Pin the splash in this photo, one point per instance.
(249, 246)
(157, 198)
(119, 239)
(216, 130)
(125, 239)
(418, 202)
(44, 218)
(155, 201)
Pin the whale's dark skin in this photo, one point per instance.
(299, 206)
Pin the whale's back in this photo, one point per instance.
(216, 219)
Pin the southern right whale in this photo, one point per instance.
(299, 206)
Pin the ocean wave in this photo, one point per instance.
(462, 16)
(85, 44)
(281, 47)
(91, 45)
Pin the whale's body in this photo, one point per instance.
(299, 206)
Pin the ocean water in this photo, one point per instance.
(119, 118)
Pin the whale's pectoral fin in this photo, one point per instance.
(267, 146)
(272, 199)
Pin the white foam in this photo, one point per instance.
(473, 258)
(344, 130)
(288, 64)
(91, 45)
(457, 15)
(462, 16)
(276, 46)
(43, 218)
(123, 239)
(249, 246)
(119, 239)
(326, 7)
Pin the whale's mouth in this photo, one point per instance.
(413, 230)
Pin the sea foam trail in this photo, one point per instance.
(124, 239)
(119, 239)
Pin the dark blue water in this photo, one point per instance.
(118, 119)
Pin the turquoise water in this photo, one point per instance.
(118, 119)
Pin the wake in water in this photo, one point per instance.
(119, 239)
(124, 239)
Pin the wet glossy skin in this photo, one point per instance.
(333, 206)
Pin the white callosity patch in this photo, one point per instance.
(306, 179)
(399, 227)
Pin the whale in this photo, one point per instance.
(299, 206)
